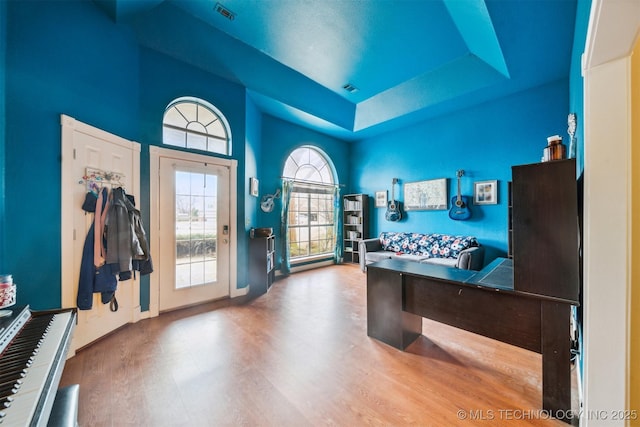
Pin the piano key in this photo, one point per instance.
(14, 381)
(24, 407)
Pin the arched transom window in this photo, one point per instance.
(308, 164)
(196, 124)
(311, 214)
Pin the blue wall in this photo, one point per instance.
(484, 141)
(576, 89)
(62, 57)
(253, 149)
(69, 57)
(279, 139)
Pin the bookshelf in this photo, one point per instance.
(355, 224)
(261, 263)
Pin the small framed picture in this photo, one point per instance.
(253, 186)
(485, 192)
(381, 199)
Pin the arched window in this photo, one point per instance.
(196, 124)
(309, 165)
(311, 216)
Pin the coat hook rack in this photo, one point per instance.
(97, 178)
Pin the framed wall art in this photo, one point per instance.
(381, 199)
(253, 186)
(485, 192)
(426, 195)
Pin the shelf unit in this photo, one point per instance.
(355, 224)
(262, 257)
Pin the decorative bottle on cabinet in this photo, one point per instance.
(355, 224)
(261, 263)
(545, 229)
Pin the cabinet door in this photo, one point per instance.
(545, 229)
(258, 265)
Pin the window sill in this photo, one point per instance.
(311, 259)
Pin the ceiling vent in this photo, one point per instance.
(225, 12)
(350, 88)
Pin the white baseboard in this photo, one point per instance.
(304, 267)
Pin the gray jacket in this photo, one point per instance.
(125, 236)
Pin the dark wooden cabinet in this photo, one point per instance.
(509, 221)
(386, 319)
(544, 218)
(262, 256)
(355, 225)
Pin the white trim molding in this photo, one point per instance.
(613, 28)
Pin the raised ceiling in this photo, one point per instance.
(408, 60)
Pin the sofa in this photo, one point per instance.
(462, 252)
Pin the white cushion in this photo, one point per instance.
(447, 262)
(409, 257)
(378, 256)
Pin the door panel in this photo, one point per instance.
(193, 232)
(87, 149)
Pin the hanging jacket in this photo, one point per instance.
(125, 235)
(121, 240)
(141, 263)
(140, 247)
(94, 278)
(98, 225)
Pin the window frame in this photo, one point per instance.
(306, 188)
(212, 110)
(324, 231)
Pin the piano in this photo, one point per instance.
(33, 351)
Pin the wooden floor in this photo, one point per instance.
(300, 356)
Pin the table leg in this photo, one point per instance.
(556, 359)
(386, 321)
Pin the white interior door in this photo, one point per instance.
(194, 231)
(83, 147)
